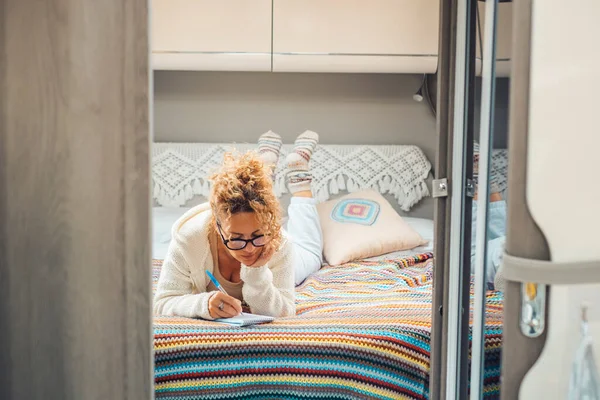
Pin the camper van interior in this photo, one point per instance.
(299, 199)
(363, 77)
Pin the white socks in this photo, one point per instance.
(299, 179)
(269, 145)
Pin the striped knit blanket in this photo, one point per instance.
(361, 332)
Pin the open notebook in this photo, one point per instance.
(246, 319)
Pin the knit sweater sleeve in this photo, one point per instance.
(269, 290)
(176, 293)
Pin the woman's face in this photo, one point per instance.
(243, 226)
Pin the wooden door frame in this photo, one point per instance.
(442, 205)
(441, 211)
(75, 283)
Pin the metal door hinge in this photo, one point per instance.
(440, 187)
(470, 188)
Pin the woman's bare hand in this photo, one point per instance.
(264, 257)
(231, 306)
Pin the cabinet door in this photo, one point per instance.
(211, 34)
(355, 35)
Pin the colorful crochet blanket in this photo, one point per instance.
(361, 332)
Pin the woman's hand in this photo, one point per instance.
(230, 306)
(264, 257)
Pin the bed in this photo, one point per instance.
(361, 332)
(362, 329)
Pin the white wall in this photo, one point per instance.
(342, 108)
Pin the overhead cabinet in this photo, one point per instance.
(210, 35)
(393, 36)
(355, 35)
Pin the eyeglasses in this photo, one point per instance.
(240, 244)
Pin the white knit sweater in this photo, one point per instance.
(181, 289)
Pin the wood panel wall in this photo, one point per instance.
(75, 318)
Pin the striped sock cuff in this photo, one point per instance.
(269, 146)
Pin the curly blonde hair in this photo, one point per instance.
(244, 184)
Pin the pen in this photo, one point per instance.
(217, 284)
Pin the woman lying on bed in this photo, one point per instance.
(237, 236)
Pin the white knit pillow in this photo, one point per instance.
(362, 225)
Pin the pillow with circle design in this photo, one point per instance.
(361, 225)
